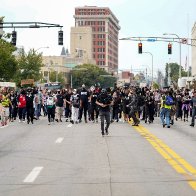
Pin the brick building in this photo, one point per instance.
(105, 30)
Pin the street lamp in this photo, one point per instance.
(41, 48)
(180, 50)
(152, 65)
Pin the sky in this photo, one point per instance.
(137, 18)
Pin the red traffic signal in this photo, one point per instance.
(140, 48)
(169, 48)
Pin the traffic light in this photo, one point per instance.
(14, 37)
(140, 48)
(169, 48)
(60, 37)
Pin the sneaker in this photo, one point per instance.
(61, 120)
(192, 125)
(49, 123)
(71, 121)
(163, 125)
(168, 126)
(134, 124)
(102, 133)
(106, 131)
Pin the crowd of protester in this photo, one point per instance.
(118, 103)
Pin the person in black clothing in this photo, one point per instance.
(116, 106)
(84, 96)
(94, 110)
(68, 105)
(104, 101)
(59, 105)
(149, 108)
(13, 106)
(133, 105)
(29, 106)
(125, 101)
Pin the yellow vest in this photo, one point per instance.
(163, 105)
(5, 102)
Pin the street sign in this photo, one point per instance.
(184, 40)
(151, 40)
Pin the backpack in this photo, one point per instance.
(169, 101)
(50, 101)
(141, 101)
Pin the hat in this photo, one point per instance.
(103, 90)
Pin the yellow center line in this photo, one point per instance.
(178, 163)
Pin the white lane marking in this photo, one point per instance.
(33, 175)
(59, 140)
(69, 125)
(3, 127)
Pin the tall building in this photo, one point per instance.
(194, 50)
(105, 28)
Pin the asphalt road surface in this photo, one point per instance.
(62, 159)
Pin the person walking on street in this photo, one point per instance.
(133, 105)
(59, 106)
(50, 107)
(84, 96)
(75, 102)
(166, 105)
(193, 106)
(22, 106)
(29, 106)
(5, 102)
(104, 102)
(68, 105)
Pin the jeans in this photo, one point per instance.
(104, 115)
(85, 108)
(22, 113)
(37, 110)
(193, 115)
(165, 113)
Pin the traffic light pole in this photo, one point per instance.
(180, 68)
(15, 25)
(152, 66)
(28, 25)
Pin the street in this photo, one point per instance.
(62, 159)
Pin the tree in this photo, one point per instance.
(29, 66)
(90, 75)
(8, 64)
(56, 77)
(174, 72)
(155, 85)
